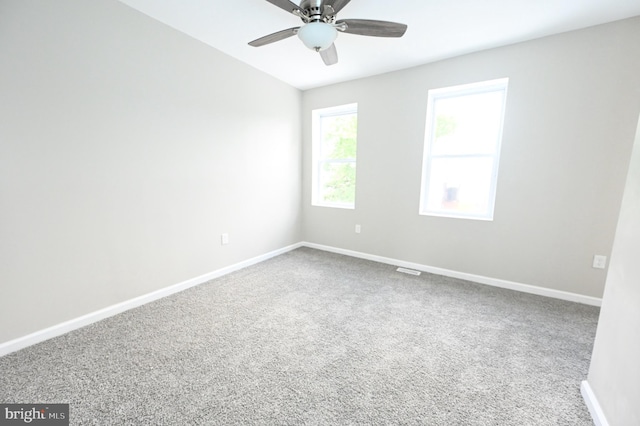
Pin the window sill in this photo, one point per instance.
(335, 206)
(456, 216)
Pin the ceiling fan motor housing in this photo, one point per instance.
(315, 11)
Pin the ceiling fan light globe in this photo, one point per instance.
(318, 35)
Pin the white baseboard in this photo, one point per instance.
(593, 405)
(525, 288)
(67, 326)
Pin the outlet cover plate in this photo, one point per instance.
(599, 262)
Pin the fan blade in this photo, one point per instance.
(368, 27)
(337, 5)
(271, 38)
(286, 5)
(330, 55)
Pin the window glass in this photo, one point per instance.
(334, 156)
(462, 150)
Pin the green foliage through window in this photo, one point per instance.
(336, 161)
(445, 125)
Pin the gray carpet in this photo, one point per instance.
(316, 338)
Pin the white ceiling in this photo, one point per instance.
(438, 29)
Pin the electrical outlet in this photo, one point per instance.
(224, 239)
(599, 262)
(358, 229)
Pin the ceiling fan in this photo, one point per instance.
(320, 27)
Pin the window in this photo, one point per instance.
(334, 156)
(462, 149)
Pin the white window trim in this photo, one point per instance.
(500, 84)
(317, 114)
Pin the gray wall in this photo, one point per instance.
(571, 111)
(615, 364)
(126, 149)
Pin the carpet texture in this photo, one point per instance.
(316, 338)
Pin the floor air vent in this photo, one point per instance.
(408, 271)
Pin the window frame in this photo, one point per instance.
(496, 85)
(316, 156)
